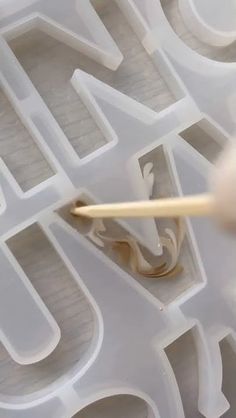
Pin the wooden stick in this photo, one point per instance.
(198, 205)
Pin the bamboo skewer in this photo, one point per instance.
(198, 205)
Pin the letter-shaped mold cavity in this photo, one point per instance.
(128, 406)
(186, 17)
(33, 325)
(211, 21)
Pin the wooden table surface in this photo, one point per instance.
(50, 66)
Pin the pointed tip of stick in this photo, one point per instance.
(78, 208)
(73, 212)
(79, 211)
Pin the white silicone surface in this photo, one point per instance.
(133, 327)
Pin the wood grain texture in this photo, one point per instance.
(183, 359)
(50, 66)
(67, 304)
(229, 376)
(226, 54)
(121, 406)
(18, 150)
(202, 142)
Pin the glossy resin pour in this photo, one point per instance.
(133, 326)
